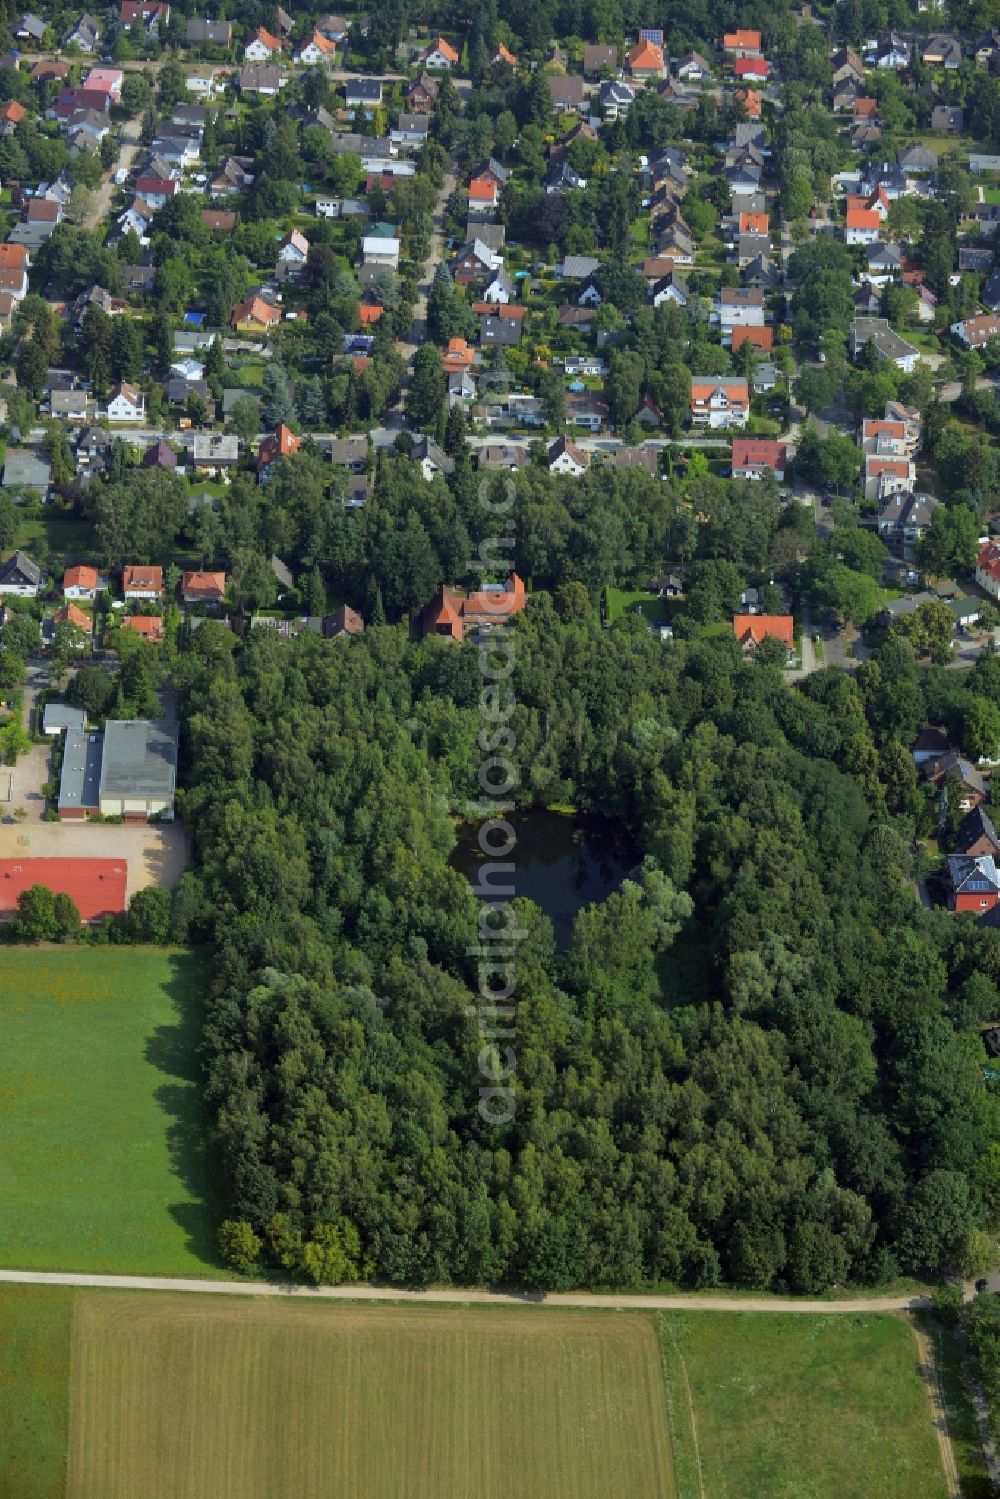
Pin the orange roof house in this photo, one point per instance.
(254, 314)
(80, 577)
(457, 356)
(440, 48)
(281, 443)
(646, 60)
(483, 190)
(146, 626)
(755, 223)
(451, 616)
(271, 43)
(141, 581)
(741, 41)
(203, 588)
(503, 55)
(369, 313)
(865, 109)
(751, 629)
(13, 112)
(751, 101)
(761, 338)
(13, 258)
(751, 67)
(69, 614)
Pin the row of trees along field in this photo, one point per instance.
(759, 1062)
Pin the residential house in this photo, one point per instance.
(502, 57)
(234, 174)
(564, 457)
(85, 35)
(845, 63)
(318, 49)
(14, 263)
(203, 588)
(889, 345)
(740, 306)
(719, 401)
(975, 332)
(29, 29)
(81, 583)
(451, 616)
(20, 577)
(281, 443)
(742, 43)
(988, 569)
(754, 457)
(159, 455)
(201, 33)
(752, 69)
(751, 630)
(68, 405)
(421, 96)
(439, 55)
(917, 161)
(432, 459)
(381, 250)
(948, 117)
(762, 339)
(973, 883)
(474, 263)
(147, 626)
(126, 404)
(501, 328)
(883, 263)
(976, 835)
(903, 517)
(364, 96)
(891, 53)
(616, 98)
(254, 316)
(669, 288)
(693, 68)
(141, 581)
(645, 61)
(862, 226)
(262, 46)
(599, 57)
(942, 51)
(561, 177)
(566, 92)
(584, 409)
(149, 14)
(940, 768)
(260, 78)
(293, 249)
(410, 131)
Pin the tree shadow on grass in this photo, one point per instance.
(173, 1050)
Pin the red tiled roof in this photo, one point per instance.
(761, 338)
(80, 577)
(748, 40)
(210, 586)
(69, 614)
(147, 626)
(281, 443)
(751, 67)
(97, 886)
(757, 451)
(988, 560)
(753, 628)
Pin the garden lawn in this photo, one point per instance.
(103, 1163)
(793, 1405)
(62, 535)
(35, 1327)
(621, 601)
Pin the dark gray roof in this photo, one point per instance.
(80, 781)
(140, 758)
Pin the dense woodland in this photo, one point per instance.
(758, 1062)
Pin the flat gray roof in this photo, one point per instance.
(63, 716)
(81, 770)
(140, 758)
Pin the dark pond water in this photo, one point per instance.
(561, 863)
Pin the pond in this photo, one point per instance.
(561, 862)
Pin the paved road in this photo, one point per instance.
(126, 157)
(470, 1297)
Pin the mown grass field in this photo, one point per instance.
(798, 1407)
(620, 600)
(184, 1397)
(103, 1159)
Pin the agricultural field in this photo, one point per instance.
(103, 1163)
(829, 1407)
(186, 1396)
(109, 1394)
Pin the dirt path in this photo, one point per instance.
(459, 1296)
(935, 1394)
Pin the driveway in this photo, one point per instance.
(102, 198)
(27, 778)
